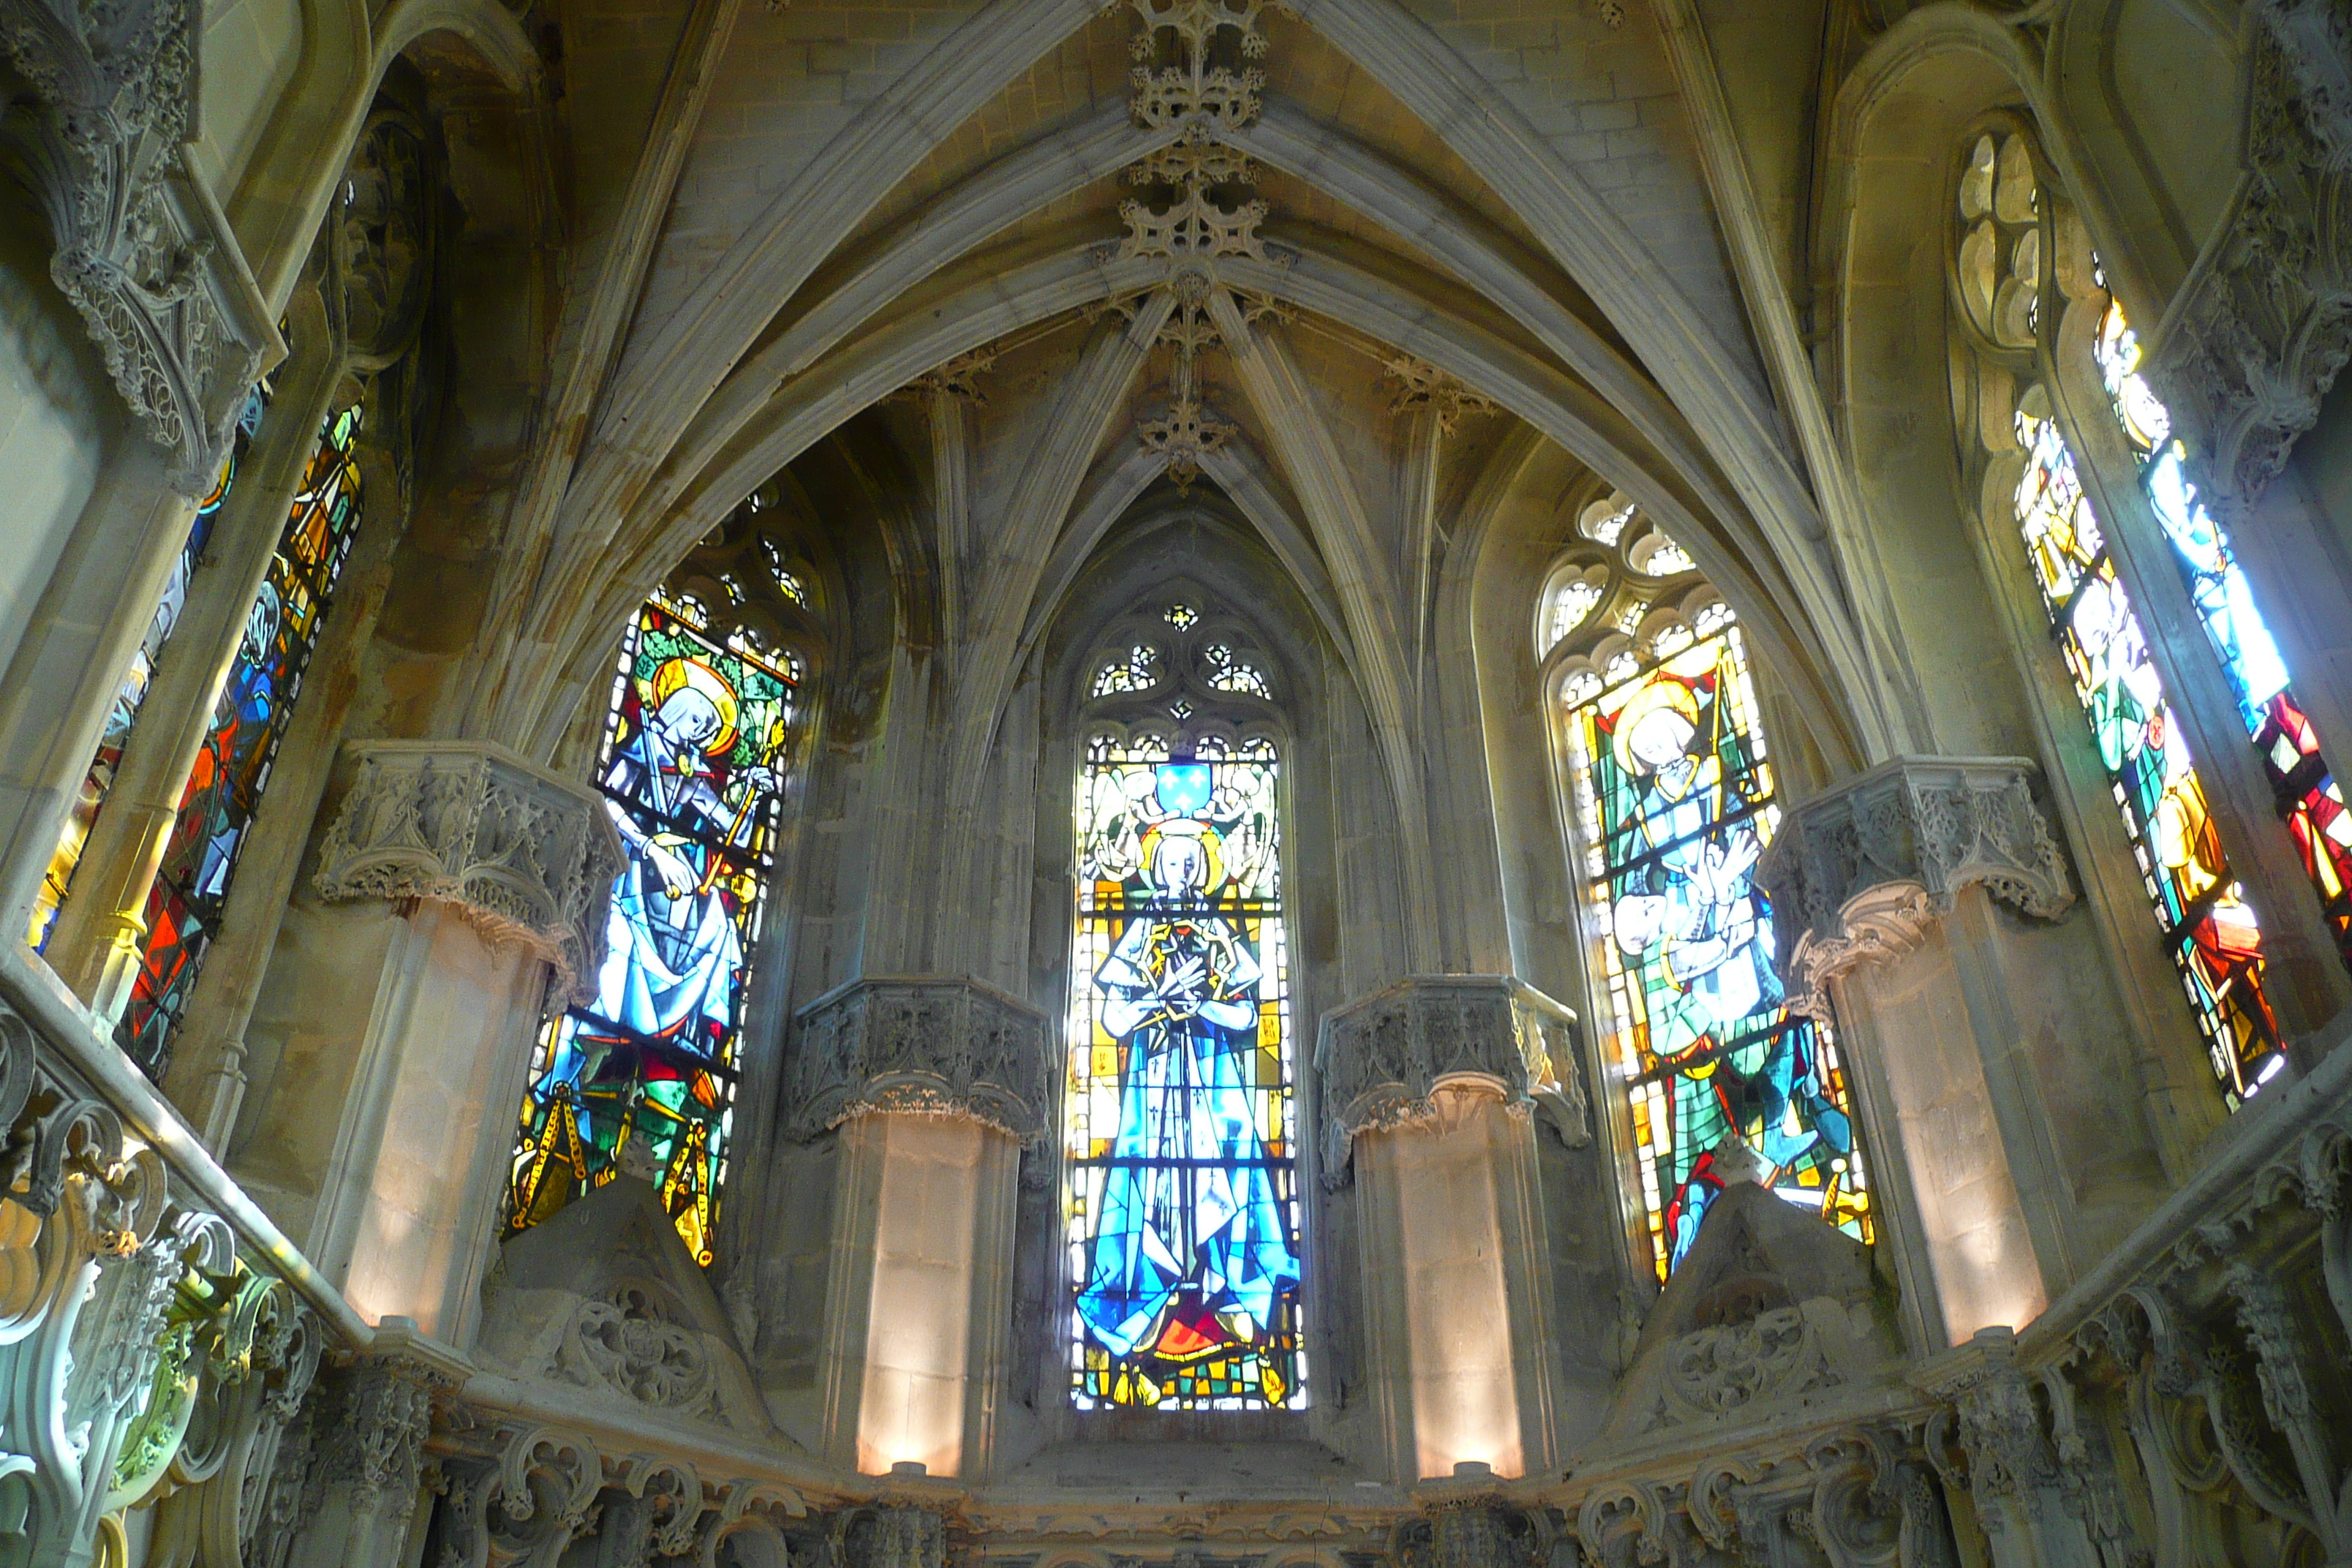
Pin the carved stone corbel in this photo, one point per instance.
(524, 856)
(521, 1493)
(140, 247)
(1383, 1058)
(1858, 874)
(2258, 334)
(936, 1045)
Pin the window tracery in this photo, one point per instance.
(1181, 1176)
(2012, 306)
(640, 1078)
(1672, 801)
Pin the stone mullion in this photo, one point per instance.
(2309, 984)
(101, 928)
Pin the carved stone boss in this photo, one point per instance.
(1383, 1059)
(1857, 874)
(140, 247)
(940, 1044)
(526, 857)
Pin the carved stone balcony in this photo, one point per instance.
(1383, 1057)
(1855, 874)
(938, 1044)
(524, 856)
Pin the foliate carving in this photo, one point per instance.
(1475, 1530)
(1712, 1371)
(891, 1535)
(932, 1044)
(1382, 1059)
(1423, 386)
(524, 856)
(2265, 322)
(630, 1340)
(1186, 435)
(140, 247)
(1858, 873)
(525, 1494)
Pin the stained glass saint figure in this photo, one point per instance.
(1184, 1252)
(692, 764)
(1674, 788)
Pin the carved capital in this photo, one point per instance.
(937, 1045)
(139, 245)
(1857, 873)
(524, 856)
(1383, 1058)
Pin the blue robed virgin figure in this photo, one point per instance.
(1191, 1258)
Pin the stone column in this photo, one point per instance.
(1430, 1091)
(2014, 1481)
(458, 890)
(934, 1084)
(1972, 1035)
(359, 1498)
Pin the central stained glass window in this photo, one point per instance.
(1182, 1184)
(1677, 804)
(695, 749)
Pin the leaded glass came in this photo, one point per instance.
(696, 744)
(99, 781)
(1181, 1178)
(2214, 939)
(1675, 801)
(2302, 784)
(232, 766)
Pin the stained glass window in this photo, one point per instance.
(2302, 784)
(1230, 672)
(232, 766)
(1139, 671)
(1182, 1181)
(133, 693)
(2209, 928)
(694, 753)
(1674, 799)
(1571, 604)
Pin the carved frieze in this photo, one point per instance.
(1382, 1059)
(1858, 873)
(139, 245)
(524, 856)
(940, 1045)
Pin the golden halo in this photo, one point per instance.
(1213, 866)
(683, 671)
(1663, 692)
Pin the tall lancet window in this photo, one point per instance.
(2013, 306)
(1182, 1192)
(1673, 800)
(232, 769)
(640, 1076)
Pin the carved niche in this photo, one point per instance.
(139, 245)
(936, 1044)
(1383, 1058)
(1857, 874)
(524, 856)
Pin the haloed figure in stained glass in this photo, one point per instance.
(1186, 1268)
(1684, 812)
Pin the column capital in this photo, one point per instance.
(1860, 871)
(521, 854)
(933, 1044)
(1383, 1057)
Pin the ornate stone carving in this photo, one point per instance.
(1857, 873)
(1475, 1530)
(2264, 323)
(1717, 1370)
(630, 1342)
(1422, 385)
(524, 856)
(141, 248)
(528, 1498)
(1382, 1057)
(935, 1044)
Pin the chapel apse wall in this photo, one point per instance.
(739, 1020)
